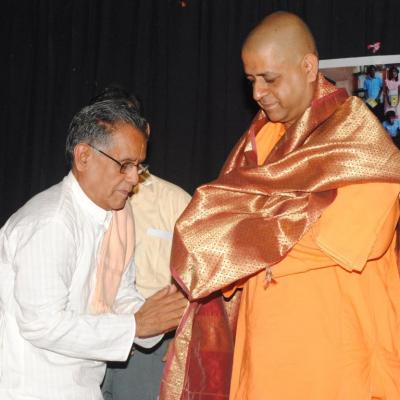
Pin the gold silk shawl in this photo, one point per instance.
(250, 217)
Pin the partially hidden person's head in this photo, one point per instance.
(106, 143)
(280, 60)
(371, 71)
(390, 116)
(115, 92)
(393, 73)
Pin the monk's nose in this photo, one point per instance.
(259, 90)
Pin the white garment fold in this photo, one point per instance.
(51, 347)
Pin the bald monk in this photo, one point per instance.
(302, 220)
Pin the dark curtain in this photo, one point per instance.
(182, 58)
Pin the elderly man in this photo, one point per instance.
(156, 205)
(68, 301)
(303, 219)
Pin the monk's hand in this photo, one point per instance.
(161, 312)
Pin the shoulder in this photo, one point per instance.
(163, 187)
(157, 196)
(52, 206)
(161, 191)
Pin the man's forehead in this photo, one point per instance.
(265, 59)
(127, 138)
(128, 131)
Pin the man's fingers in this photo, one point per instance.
(161, 293)
(161, 312)
(172, 289)
(172, 316)
(175, 307)
(170, 292)
(158, 324)
(173, 297)
(169, 325)
(163, 300)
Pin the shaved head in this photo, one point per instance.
(281, 61)
(285, 31)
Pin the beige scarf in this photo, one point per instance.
(115, 252)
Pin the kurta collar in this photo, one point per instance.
(99, 215)
(148, 181)
(148, 186)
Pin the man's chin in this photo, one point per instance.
(118, 205)
(275, 116)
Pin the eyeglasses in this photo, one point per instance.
(125, 167)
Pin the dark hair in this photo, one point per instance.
(115, 91)
(390, 73)
(94, 124)
(389, 114)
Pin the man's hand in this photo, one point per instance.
(161, 312)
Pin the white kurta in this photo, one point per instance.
(51, 347)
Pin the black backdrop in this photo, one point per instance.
(181, 57)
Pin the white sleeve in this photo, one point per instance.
(129, 301)
(44, 266)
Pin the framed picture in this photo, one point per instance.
(376, 80)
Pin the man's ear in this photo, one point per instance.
(82, 154)
(148, 129)
(310, 65)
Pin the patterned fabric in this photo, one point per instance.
(250, 217)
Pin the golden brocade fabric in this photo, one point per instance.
(251, 216)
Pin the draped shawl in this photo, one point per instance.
(251, 216)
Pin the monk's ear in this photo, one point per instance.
(82, 155)
(310, 66)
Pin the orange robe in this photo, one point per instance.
(328, 328)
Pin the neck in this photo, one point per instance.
(87, 188)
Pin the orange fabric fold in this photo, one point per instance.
(373, 210)
(252, 216)
(266, 139)
(115, 252)
(223, 233)
(337, 317)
